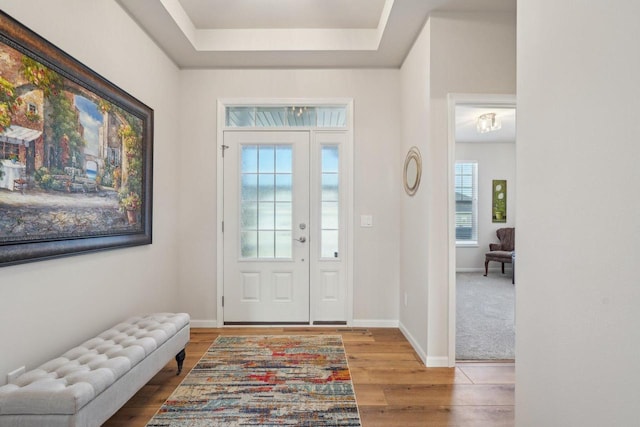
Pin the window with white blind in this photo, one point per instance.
(466, 188)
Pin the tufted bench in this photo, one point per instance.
(89, 383)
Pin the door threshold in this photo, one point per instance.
(265, 323)
(314, 323)
(330, 322)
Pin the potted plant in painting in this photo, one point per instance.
(131, 205)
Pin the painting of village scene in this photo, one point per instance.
(71, 162)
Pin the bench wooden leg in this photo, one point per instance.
(486, 267)
(180, 359)
(503, 268)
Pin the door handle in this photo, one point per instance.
(301, 239)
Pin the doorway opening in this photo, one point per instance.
(482, 195)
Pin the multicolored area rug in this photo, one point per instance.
(265, 381)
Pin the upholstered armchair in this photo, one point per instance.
(501, 252)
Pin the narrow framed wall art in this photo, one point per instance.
(499, 202)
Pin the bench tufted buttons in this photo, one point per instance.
(79, 375)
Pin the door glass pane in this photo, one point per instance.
(266, 213)
(330, 202)
(249, 159)
(266, 244)
(239, 116)
(266, 208)
(333, 117)
(283, 187)
(330, 159)
(301, 116)
(270, 117)
(249, 244)
(330, 187)
(249, 216)
(283, 216)
(329, 215)
(249, 186)
(283, 159)
(265, 187)
(329, 244)
(266, 159)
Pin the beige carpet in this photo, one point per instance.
(485, 316)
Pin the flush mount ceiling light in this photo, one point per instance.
(488, 123)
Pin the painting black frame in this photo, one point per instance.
(27, 42)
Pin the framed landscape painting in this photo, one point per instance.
(76, 155)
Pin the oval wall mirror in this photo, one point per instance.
(412, 171)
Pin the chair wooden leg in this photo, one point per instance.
(486, 267)
(503, 268)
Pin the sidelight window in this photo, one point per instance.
(330, 199)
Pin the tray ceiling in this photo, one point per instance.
(291, 33)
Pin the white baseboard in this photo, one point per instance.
(437, 362)
(359, 323)
(374, 323)
(414, 343)
(481, 270)
(204, 323)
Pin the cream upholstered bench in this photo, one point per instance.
(89, 383)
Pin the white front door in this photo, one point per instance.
(266, 227)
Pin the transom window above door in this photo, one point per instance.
(256, 116)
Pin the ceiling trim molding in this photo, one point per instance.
(295, 39)
(248, 34)
(180, 17)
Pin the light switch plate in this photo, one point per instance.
(366, 220)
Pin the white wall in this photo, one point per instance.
(377, 177)
(415, 94)
(577, 316)
(451, 56)
(49, 306)
(496, 160)
(461, 63)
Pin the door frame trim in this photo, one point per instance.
(348, 183)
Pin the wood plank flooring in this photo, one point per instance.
(392, 386)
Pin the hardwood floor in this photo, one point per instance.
(392, 386)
